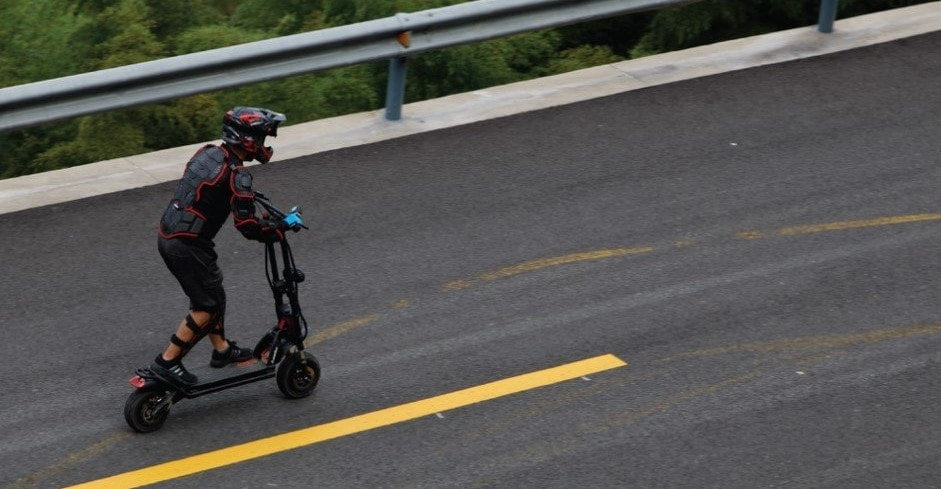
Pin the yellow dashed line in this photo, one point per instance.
(71, 461)
(867, 223)
(533, 265)
(842, 225)
(750, 235)
(456, 285)
(539, 264)
(561, 260)
(341, 328)
(812, 342)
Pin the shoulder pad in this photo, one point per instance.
(210, 152)
(242, 181)
(208, 162)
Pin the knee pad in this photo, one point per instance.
(199, 332)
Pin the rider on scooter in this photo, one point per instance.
(214, 184)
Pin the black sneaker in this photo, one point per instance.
(172, 371)
(232, 354)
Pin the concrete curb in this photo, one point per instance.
(350, 130)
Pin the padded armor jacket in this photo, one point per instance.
(213, 185)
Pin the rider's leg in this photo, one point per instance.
(217, 333)
(199, 275)
(169, 365)
(186, 335)
(219, 343)
(225, 351)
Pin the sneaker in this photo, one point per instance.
(172, 371)
(232, 354)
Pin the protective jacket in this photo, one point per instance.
(213, 185)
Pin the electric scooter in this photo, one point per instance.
(279, 353)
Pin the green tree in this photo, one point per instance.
(279, 17)
(342, 12)
(34, 33)
(20, 148)
(579, 58)
(173, 17)
(719, 20)
(619, 33)
(179, 122)
(119, 35)
(208, 37)
(99, 137)
(460, 68)
(308, 97)
(130, 40)
(474, 66)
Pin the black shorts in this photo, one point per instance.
(196, 269)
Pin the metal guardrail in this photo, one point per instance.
(393, 38)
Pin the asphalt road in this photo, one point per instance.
(759, 247)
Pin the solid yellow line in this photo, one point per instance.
(315, 434)
(562, 260)
(866, 223)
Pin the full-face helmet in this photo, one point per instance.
(246, 128)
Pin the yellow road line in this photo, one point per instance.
(866, 223)
(364, 422)
(812, 343)
(70, 461)
(750, 235)
(562, 260)
(338, 329)
(456, 285)
(841, 225)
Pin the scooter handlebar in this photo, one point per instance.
(291, 220)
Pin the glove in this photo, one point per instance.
(292, 221)
(271, 231)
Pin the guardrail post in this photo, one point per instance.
(827, 16)
(395, 90)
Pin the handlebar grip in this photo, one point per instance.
(294, 221)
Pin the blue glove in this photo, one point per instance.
(293, 221)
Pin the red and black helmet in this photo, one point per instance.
(247, 127)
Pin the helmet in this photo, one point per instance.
(246, 128)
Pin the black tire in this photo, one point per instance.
(298, 375)
(140, 412)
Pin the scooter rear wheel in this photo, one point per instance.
(298, 375)
(142, 411)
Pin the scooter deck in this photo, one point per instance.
(215, 379)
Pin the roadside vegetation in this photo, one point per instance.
(46, 39)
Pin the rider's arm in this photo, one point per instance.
(243, 211)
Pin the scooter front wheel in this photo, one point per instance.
(298, 375)
(146, 410)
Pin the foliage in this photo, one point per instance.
(581, 57)
(46, 39)
(719, 20)
(33, 33)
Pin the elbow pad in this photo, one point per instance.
(243, 199)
